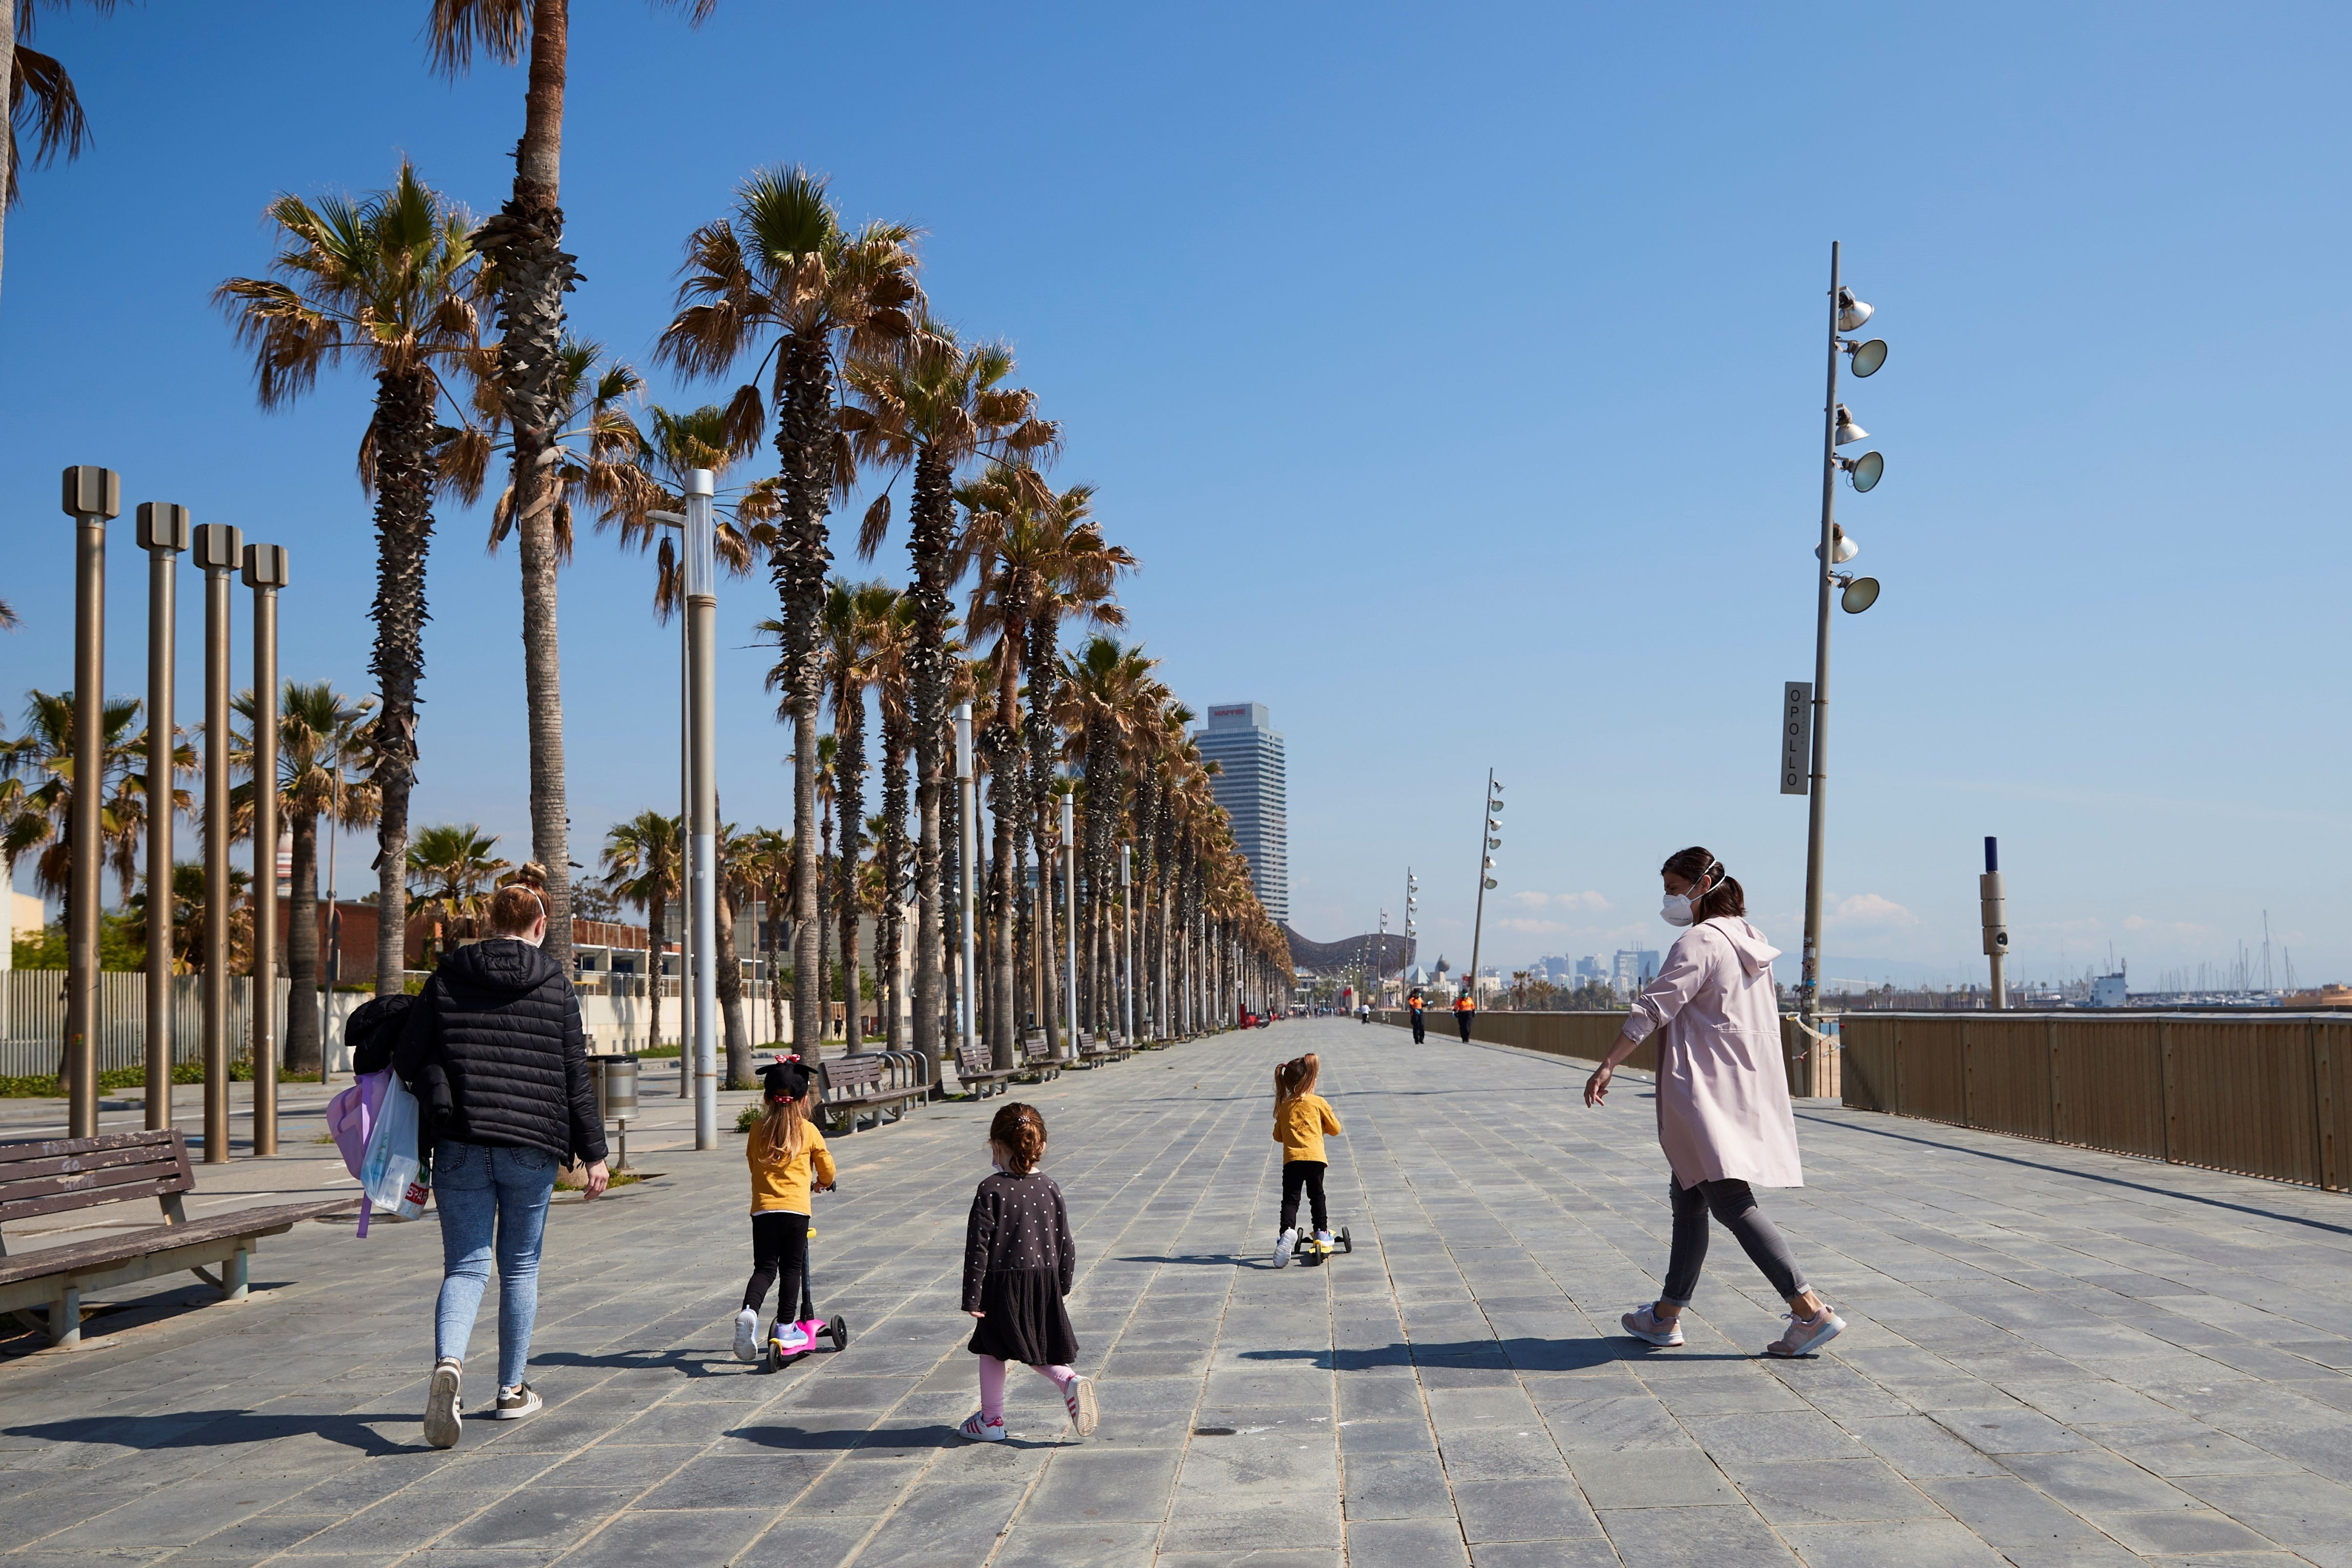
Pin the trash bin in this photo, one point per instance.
(615, 1077)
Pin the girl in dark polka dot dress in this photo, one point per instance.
(1018, 1262)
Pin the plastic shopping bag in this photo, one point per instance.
(391, 1174)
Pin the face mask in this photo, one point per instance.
(1676, 910)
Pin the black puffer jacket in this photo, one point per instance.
(495, 1054)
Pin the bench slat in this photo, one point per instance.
(48, 1261)
(92, 1184)
(67, 1202)
(97, 1160)
(51, 1148)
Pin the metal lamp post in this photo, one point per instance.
(702, 638)
(1857, 594)
(265, 573)
(967, 981)
(1488, 841)
(1070, 920)
(217, 552)
(163, 534)
(1126, 939)
(91, 495)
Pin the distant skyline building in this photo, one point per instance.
(1253, 786)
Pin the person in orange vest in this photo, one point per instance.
(1465, 1008)
(1416, 1004)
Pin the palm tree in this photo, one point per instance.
(1101, 680)
(38, 91)
(765, 861)
(781, 276)
(385, 281)
(42, 813)
(856, 615)
(642, 859)
(453, 865)
(932, 403)
(737, 882)
(890, 651)
(319, 735)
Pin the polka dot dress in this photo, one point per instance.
(1018, 1264)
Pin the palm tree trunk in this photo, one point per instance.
(804, 429)
(893, 876)
(523, 245)
(849, 794)
(731, 994)
(656, 917)
(1043, 805)
(404, 522)
(302, 1042)
(932, 511)
(1005, 810)
(825, 977)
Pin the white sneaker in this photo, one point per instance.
(1078, 1394)
(442, 1426)
(1282, 1246)
(747, 1335)
(1643, 1324)
(1323, 1240)
(793, 1338)
(981, 1430)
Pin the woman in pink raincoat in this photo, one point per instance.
(1722, 1100)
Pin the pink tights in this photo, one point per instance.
(991, 1385)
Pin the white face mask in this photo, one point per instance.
(1676, 910)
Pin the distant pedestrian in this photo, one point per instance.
(1301, 1117)
(1418, 1005)
(1724, 1118)
(494, 1052)
(1465, 1012)
(1019, 1261)
(788, 1162)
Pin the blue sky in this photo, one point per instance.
(1454, 372)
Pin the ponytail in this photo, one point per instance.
(1724, 896)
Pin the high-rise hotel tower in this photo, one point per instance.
(1255, 791)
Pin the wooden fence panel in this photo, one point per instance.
(1931, 1070)
(2331, 1061)
(1866, 1061)
(2008, 1065)
(2106, 1083)
(2240, 1097)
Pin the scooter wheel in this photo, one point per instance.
(773, 1361)
(1346, 1242)
(839, 1332)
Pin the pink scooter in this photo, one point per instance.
(810, 1325)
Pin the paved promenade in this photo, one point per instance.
(2057, 1357)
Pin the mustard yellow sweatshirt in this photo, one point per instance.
(778, 1183)
(1299, 1124)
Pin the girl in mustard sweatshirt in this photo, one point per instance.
(1301, 1117)
(788, 1160)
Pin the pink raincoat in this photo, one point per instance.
(1723, 1093)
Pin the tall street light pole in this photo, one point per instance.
(1488, 844)
(163, 534)
(702, 640)
(1838, 429)
(218, 549)
(265, 573)
(1070, 920)
(91, 495)
(967, 981)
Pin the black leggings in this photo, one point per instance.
(1463, 1020)
(779, 1246)
(1308, 1174)
(1733, 1204)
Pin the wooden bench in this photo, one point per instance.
(1102, 1048)
(858, 1085)
(978, 1075)
(62, 1174)
(1038, 1063)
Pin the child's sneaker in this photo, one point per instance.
(1323, 1242)
(1643, 1324)
(1282, 1246)
(1078, 1393)
(982, 1430)
(790, 1338)
(747, 1335)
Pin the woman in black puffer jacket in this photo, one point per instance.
(496, 1057)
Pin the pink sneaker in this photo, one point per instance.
(982, 1430)
(1643, 1324)
(1806, 1336)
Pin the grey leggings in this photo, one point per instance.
(1733, 1204)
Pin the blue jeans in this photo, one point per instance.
(480, 1188)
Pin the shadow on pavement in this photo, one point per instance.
(686, 1363)
(801, 1440)
(219, 1428)
(1507, 1355)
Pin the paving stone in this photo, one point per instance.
(1521, 1510)
(1696, 1535)
(1913, 1543)
(1656, 1478)
(1417, 1541)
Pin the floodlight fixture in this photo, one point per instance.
(1492, 884)
(1846, 550)
(1868, 357)
(1851, 312)
(1861, 593)
(1848, 432)
(1865, 471)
